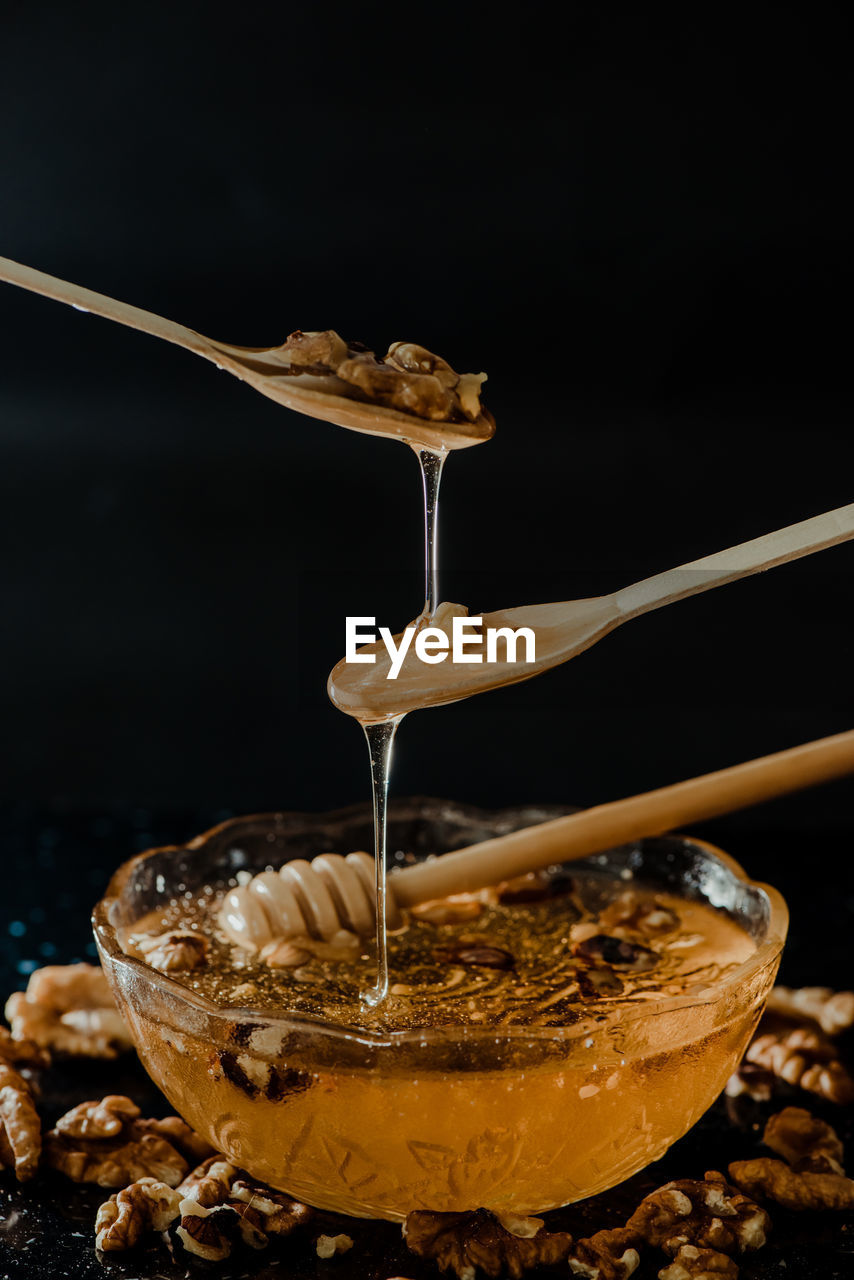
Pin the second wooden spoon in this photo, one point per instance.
(567, 628)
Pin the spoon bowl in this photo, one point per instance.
(564, 629)
(267, 370)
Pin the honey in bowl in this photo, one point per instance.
(533, 1051)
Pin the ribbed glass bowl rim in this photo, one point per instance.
(105, 935)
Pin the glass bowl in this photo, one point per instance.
(517, 1119)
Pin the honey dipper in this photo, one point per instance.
(266, 369)
(331, 893)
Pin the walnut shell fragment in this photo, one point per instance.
(69, 1009)
(464, 1242)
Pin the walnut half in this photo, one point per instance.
(69, 1009)
(466, 1242)
(691, 1263)
(20, 1126)
(708, 1214)
(832, 1010)
(774, 1180)
(146, 1205)
(178, 950)
(804, 1141)
(110, 1144)
(806, 1058)
(607, 1255)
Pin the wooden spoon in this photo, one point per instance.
(567, 628)
(265, 369)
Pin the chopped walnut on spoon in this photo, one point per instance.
(409, 394)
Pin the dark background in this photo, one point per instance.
(637, 228)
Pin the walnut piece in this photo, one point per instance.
(102, 1119)
(619, 953)
(177, 950)
(832, 1010)
(804, 1057)
(205, 1233)
(774, 1180)
(20, 1126)
(607, 1255)
(323, 349)
(328, 1246)
(691, 1263)
(283, 954)
(108, 1143)
(408, 378)
(804, 1141)
(421, 394)
(192, 1146)
(21, 1052)
(454, 909)
(210, 1182)
(464, 1242)
(755, 1081)
(709, 1214)
(69, 1009)
(218, 1203)
(635, 913)
(146, 1205)
(278, 1214)
(475, 953)
(532, 886)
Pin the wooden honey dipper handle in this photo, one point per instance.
(607, 825)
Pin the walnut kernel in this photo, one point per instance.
(146, 1205)
(69, 1009)
(692, 1263)
(607, 1255)
(464, 1242)
(176, 950)
(774, 1180)
(709, 1214)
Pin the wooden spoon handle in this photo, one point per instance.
(737, 562)
(607, 825)
(99, 304)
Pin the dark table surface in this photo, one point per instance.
(59, 864)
